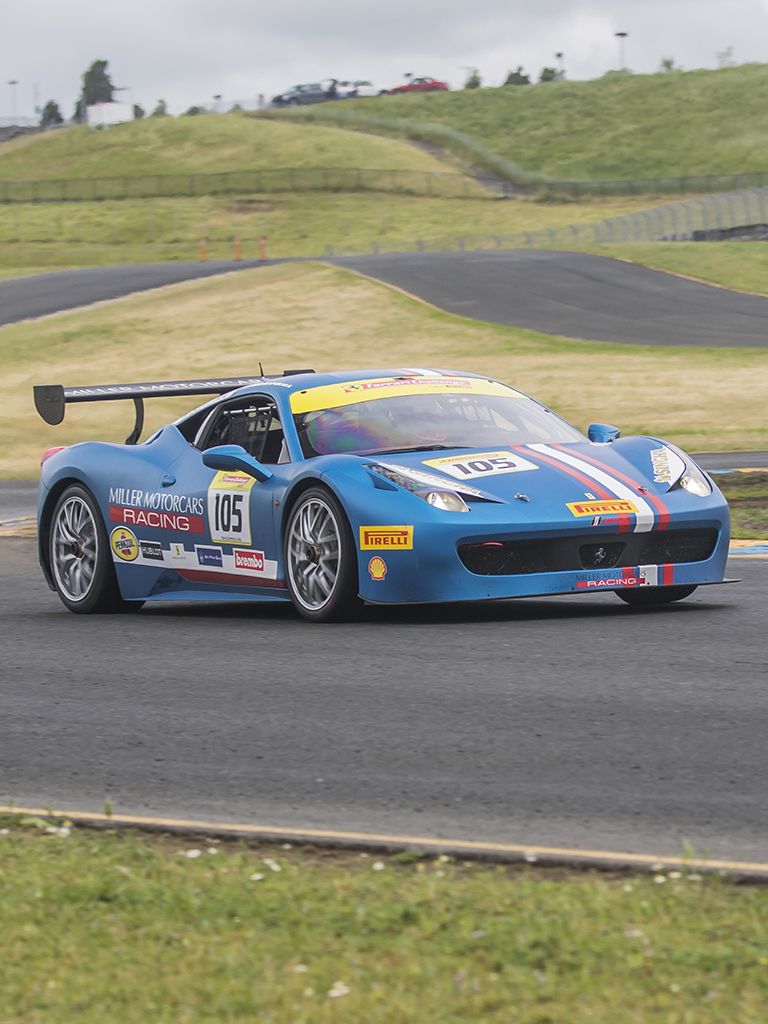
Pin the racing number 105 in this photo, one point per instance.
(484, 466)
(228, 512)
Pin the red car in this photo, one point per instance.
(420, 85)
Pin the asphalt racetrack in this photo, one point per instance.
(567, 722)
(572, 294)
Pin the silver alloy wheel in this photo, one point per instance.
(314, 554)
(74, 548)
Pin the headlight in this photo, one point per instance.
(448, 501)
(427, 486)
(693, 480)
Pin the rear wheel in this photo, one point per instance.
(78, 552)
(320, 559)
(652, 597)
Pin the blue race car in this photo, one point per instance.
(332, 490)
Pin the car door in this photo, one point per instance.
(240, 547)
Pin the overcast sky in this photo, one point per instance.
(185, 51)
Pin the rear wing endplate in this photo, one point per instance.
(51, 400)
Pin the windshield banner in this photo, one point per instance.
(331, 396)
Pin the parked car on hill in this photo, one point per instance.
(358, 88)
(420, 85)
(301, 95)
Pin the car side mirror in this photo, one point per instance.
(236, 459)
(602, 433)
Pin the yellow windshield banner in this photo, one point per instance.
(331, 396)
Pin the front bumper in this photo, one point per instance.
(433, 571)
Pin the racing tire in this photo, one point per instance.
(321, 559)
(79, 556)
(653, 597)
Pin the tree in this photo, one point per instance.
(473, 79)
(96, 87)
(51, 114)
(548, 75)
(193, 111)
(138, 112)
(668, 64)
(161, 109)
(517, 77)
(725, 58)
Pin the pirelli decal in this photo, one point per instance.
(386, 538)
(610, 507)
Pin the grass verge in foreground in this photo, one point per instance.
(119, 926)
(314, 315)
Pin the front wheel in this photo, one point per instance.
(321, 559)
(79, 556)
(652, 597)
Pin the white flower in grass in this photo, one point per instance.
(5, 831)
(299, 968)
(633, 933)
(628, 887)
(256, 877)
(694, 878)
(309, 992)
(338, 989)
(212, 850)
(531, 858)
(443, 859)
(378, 865)
(287, 846)
(675, 874)
(659, 879)
(192, 854)
(271, 864)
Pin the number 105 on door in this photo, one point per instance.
(229, 508)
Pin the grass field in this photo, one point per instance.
(312, 315)
(138, 230)
(742, 266)
(195, 145)
(127, 928)
(633, 126)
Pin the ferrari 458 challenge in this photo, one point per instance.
(401, 486)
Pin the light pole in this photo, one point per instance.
(13, 82)
(621, 36)
(560, 66)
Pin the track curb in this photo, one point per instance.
(466, 849)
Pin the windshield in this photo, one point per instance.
(430, 421)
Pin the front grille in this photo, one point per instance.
(565, 554)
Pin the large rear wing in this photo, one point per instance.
(51, 400)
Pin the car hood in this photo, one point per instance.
(566, 483)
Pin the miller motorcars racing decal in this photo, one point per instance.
(390, 538)
(464, 467)
(156, 510)
(331, 396)
(229, 497)
(629, 576)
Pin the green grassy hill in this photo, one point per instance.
(622, 126)
(189, 145)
